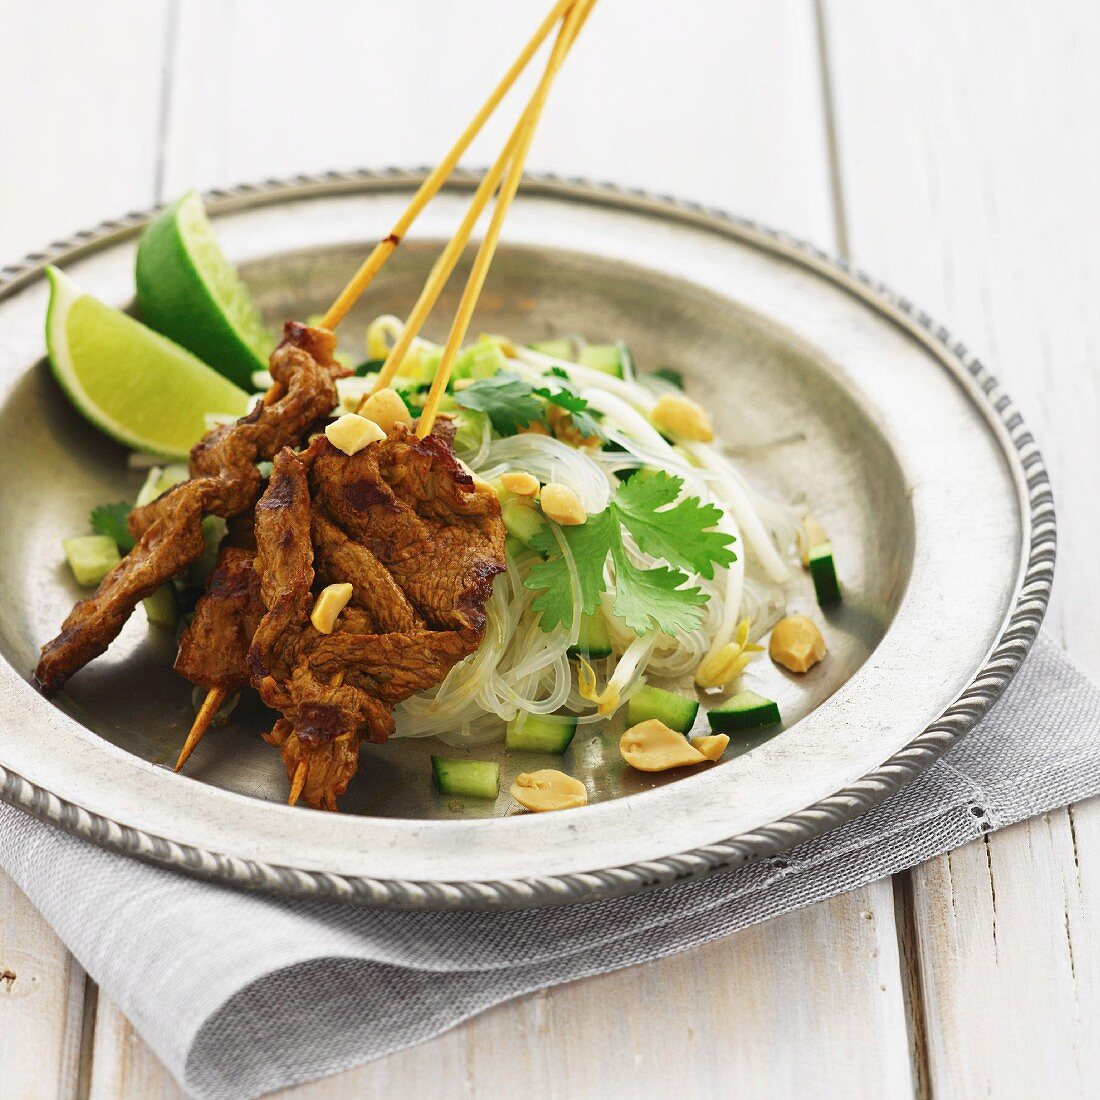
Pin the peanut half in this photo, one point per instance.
(330, 603)
(651, 746)
(352, 432)
(680, 416)
(563, 505)
(547, 790)
(386, 409)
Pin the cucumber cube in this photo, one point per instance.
(91, 557)
(675, 711)
(823, 571)
(522, 519)
(745, 711)
(613, 359)
(540, 733)
(557, 349)
(159, 480)
(162, 608)
(466, 778)
(594, 641)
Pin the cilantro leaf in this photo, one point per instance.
(683, 535)
(584, 419)
(586, 423)
(110, 520)
(660, 598)
(563, 398)
(655, 599)
(509, 401)
(588, 543)
(512, 403)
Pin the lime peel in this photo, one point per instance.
(188, 291)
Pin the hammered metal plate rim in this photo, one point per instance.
(1019, 631)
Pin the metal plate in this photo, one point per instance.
(829, 390)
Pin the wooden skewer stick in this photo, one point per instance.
(210, 706)
(518, 143)
(431, 185)
(442, 269)
(298, 783)
(570, 28)
(448, 259)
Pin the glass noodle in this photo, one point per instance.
(521, 667)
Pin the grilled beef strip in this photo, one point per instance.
(213, 649)
(224, 482)
(321, 720)
(420, 543)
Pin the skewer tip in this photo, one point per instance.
(298, 783)
(210, 706)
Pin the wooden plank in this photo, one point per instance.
(123, 1066)
(719, 104)
(969, 171)
(80, 100)
(1007, 933)
(793, 1007)
(41, 1002)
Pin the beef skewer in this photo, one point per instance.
(511, 160)
(318, 735)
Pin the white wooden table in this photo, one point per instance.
(951, 149)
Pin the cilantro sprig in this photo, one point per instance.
(660, 598)
(509, 401)
(110, 520)
(512, 403)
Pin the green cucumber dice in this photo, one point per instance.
(469, 429)
(613, 359)
(673, 377)
(466, 778)
(676, 711)
(516, 550)
(823, 571)
(481, 360)
(561, 348)
(91, 557)
(540, 732)
(159, 480)
(213, 531)
(594, 641)
(522, 518)
(163, 607)
(744, 711)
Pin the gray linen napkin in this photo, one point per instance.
(240, 994)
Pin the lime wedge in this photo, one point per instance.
(189, 291)
(130, 382)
